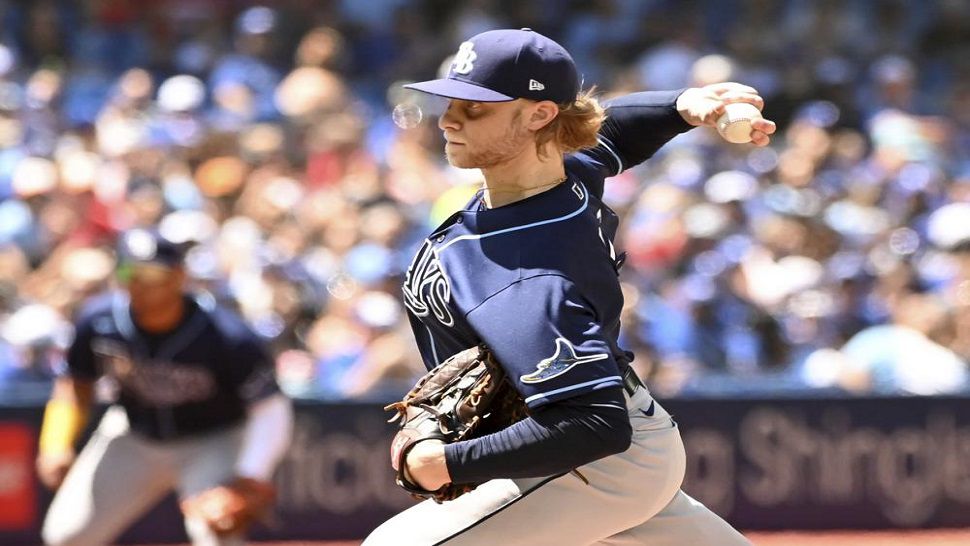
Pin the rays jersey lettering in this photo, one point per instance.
(156, 383)
(426, 288)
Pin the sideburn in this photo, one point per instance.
(504, 148)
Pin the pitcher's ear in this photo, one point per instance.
(542, 114)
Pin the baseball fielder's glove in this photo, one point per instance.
(230, 509)
(464, 397)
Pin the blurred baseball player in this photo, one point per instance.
(528, 267)
(198, 410)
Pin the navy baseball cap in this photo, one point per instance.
(504, 65)
(148, 246)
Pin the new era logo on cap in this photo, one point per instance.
(504, 65)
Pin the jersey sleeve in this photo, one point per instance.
(81, 361)
(553, 440)
(636, 126)
(250, 364)
(548, 339)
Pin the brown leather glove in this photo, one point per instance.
(464, 397)
(231, 509)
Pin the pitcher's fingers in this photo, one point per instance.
(758, 138)
(765, 126)
(743, 96)
(729, 87)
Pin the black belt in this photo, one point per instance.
(631, 382)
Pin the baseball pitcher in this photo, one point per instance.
(528, 269)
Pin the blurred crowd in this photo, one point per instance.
(261, 136)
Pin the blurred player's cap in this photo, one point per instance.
(504, 65)
(148, 246)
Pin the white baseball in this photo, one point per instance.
(735, 123)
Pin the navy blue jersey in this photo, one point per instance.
(536, 280)
(196, 378)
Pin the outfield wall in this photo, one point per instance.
(762, 464)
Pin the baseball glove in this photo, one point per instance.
(464, 397)
(230, 509)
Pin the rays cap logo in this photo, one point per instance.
(504, 65)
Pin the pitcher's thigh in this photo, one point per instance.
(561, 510)
(683, 521)
(429, 523)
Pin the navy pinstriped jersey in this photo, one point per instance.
(196, 378)
(536, 280)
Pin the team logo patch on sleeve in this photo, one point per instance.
(561, 362)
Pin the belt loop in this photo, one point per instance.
(631, 382)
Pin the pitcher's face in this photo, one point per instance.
(484, 134)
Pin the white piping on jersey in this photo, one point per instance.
(517, 228)
(606, 406)
(175, 342)
(553, 392)
(120, 309)
(434, 350)
(610, 148)
(606, 242)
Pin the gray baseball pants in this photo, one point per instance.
(119, 476)
(632, 498)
